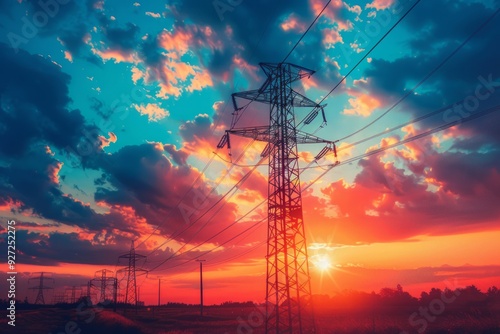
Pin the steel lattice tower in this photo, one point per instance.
(288, 292)
(41, 287)
(131, 274)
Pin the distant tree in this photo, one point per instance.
(493, 292)
(397, 297)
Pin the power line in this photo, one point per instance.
(425, 78)
(412, 138)
(237, 117)
(415, 120)
(177, 233)
(328, 169)
(238, 184)
(217, 247)
(181, 199)
(375, 46)
(213, 131)
(366, 55)
(307, 30)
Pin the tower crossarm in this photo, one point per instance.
(306, 138)
(260, 133)
(299, 100)
(264, 95)
(252, 95)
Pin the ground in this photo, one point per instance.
(222, 320)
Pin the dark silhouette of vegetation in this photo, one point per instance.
(391, 310)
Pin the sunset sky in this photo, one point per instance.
(111, 111)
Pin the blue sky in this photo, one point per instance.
(110, 110)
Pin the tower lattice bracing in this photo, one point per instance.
(105, 284)
(288, 291)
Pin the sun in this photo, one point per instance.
(323, 263)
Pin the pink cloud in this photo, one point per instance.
(153, 15)
(331, 37)
(293, 23)
(105, 142)
(199, 81)
(332, 12)
(362, 105)
(118, 56)
(153, 111)
(53, 172)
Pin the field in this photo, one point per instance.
(217, 319)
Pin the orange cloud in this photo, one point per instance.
(332, 12)
(106, 141)
(53, 172)
(10, 205)
(177, 41)
(199, 81)
(68, 56)
(153, 15)
(362, 105)
(380, 4)
(293, 23)
(331, 37)
(117, 56)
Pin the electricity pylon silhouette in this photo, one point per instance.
(72, 292)
(288, 292)
(131, 272)
(103, 281)
(41, 287)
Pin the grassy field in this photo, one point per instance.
(229, 320)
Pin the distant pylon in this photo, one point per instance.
(73, 299)
(104, 281)
(88, 286)
(288, 292)
(131, 272)
(42, 278)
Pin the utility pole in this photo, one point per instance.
(201, 286)
(89, 285)
(42, 278)
(288, 286)
(159, 290)
(115, 294)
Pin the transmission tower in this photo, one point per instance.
(42, 279)
(288, 291)
(58, 298)
(104, 281)
(131, 273)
